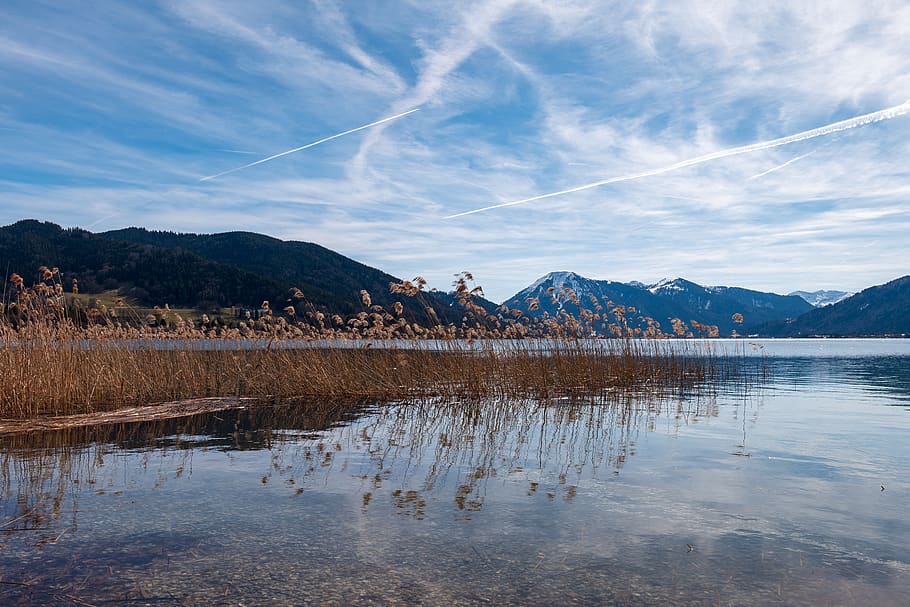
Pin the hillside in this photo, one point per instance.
(326, 278)
(147, 274)
(878, 310)
(203, 271)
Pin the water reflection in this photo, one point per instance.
(767, 496)
(426, 442)
(40, 471)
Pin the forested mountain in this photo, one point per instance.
(324, 276)
(879, 310)
(205, 271)
(151, 275)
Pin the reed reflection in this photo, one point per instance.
(45, 475)
(414, 456)
(430, 454)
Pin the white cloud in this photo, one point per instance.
(438, 62)
(110, 115)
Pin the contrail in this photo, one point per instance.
(237, 151)
(780, 166)
(850, 123)
(105, 218)
(309, 145)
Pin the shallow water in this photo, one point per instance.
(759, 496)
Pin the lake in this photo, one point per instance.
(791, 492)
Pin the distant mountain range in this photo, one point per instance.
(243, 269)
(881, 310)
(662, 302)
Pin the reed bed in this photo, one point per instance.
(58, 357)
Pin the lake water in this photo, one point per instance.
(792, 493)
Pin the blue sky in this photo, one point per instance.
(112, 112)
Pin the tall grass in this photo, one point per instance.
(58, 357)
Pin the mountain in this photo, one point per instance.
(204, 271)
(326, 278)
(663, 301)
(879, 310)
(547, 298)
(717, 305)
(150, 275)
(822, 298)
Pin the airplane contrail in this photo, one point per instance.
(309, 145)
(780, 166)
(834, 127)
(105, 218)
(237, 151)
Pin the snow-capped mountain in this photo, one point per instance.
(662, 301)
(822, 298)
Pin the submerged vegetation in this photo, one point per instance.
(60, 356)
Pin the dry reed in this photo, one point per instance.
(58, 357)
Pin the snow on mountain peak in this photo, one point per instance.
(820, 299)
(557, 279)
(666, 284)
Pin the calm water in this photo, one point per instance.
(748, 497)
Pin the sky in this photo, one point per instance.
(116, 114)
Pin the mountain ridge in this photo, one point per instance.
(663, 301)
(208, 271)
(878, 310)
